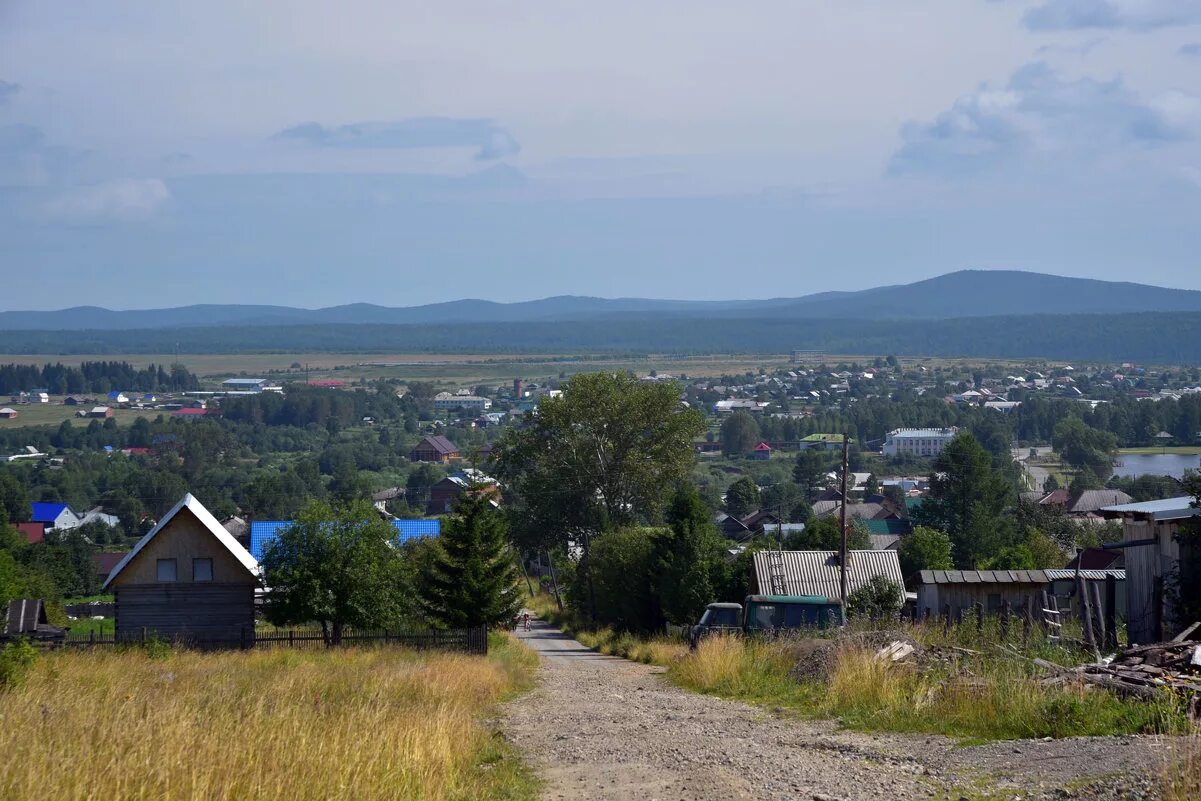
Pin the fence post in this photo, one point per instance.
(92, 638)
(291, 638)
(1027, 621)
(143, 635)
(979, 616)
(1111, 612)
(1003, 620)
(946, 611)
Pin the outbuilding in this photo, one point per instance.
(187, 579)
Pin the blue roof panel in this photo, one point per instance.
(47, 512)
(263, 532)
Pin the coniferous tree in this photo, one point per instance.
(473, 581)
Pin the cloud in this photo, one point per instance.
(120, 200)
(24, 156)
(491, 140)
(1192, 49)
(8, 91)
(1040, 114)
(1142, 15)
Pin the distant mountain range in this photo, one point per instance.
(967, 293)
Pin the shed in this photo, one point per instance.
(963, 589)
(818, 572)
(27, 618)
(1154, 559)
(188, 578)
(8, 414)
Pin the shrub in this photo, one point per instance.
(15, 661)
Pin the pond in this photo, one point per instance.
(1133, 465)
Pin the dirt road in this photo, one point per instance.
(600, 727)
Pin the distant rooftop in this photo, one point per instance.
(1163, 509)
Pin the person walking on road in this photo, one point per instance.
(526, 617)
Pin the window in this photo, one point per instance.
(166, 570)
(202, 570)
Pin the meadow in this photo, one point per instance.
(53, 414)
(302, 726)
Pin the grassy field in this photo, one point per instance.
(41, 414)
(301, 726)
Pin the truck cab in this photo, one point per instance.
(767, 614)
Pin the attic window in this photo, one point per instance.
(202, 570)
(166, 570)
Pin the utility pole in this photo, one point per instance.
(842, 525)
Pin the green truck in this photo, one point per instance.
(766, 615)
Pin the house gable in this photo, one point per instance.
(186, 533)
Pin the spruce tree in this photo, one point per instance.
(474, 579)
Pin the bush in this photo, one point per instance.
(15, 661)
(876, 600)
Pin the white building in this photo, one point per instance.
(447, 401)
(918, 441)
(246, 384)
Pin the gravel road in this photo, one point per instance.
(600, 727)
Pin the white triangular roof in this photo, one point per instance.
(206, 518)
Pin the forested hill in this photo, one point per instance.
(968, 293)
(1173, 337)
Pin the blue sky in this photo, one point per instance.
(309, 153)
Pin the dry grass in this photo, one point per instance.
(1181, 778)
(363, 724)
(988, 699)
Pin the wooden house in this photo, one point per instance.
(434, 448)
(188, 578)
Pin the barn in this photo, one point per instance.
(187, 579)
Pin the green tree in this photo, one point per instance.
(1082, 446)
(967, 499)
(810, 469)
(739, 434)
(604, 454)
(337, 565)
(925, 549)
(621, 585)
(871, 486)
(473, 581)
(742, 497)
(687, 557)
(878, 599)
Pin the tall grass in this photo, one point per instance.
(990, 698)
(363, 724)
(1181, 778)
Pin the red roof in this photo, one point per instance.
(189, 412)
(34, 532)
(106, 561)
(763, 446)
(326, 382)
(136, 451)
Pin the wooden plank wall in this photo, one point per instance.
(216, 609)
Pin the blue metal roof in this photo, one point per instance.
(263, 532)
(46, 512)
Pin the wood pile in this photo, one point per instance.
(1173, 665)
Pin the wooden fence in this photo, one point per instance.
(470, 641)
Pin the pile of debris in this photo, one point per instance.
(1174, 665)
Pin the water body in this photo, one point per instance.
(1156, 464)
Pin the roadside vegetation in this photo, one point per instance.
(339, 723)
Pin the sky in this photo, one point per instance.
(155, 154)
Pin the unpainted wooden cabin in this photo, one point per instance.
(963, 589)
(188, 578)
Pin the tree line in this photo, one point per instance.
(97, 377)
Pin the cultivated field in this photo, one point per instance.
(288, 725)
(464, 369)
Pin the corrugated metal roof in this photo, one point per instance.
(817, 572)
(1058, 574)
(984, 577)
(263, 532)
(1164, 509)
